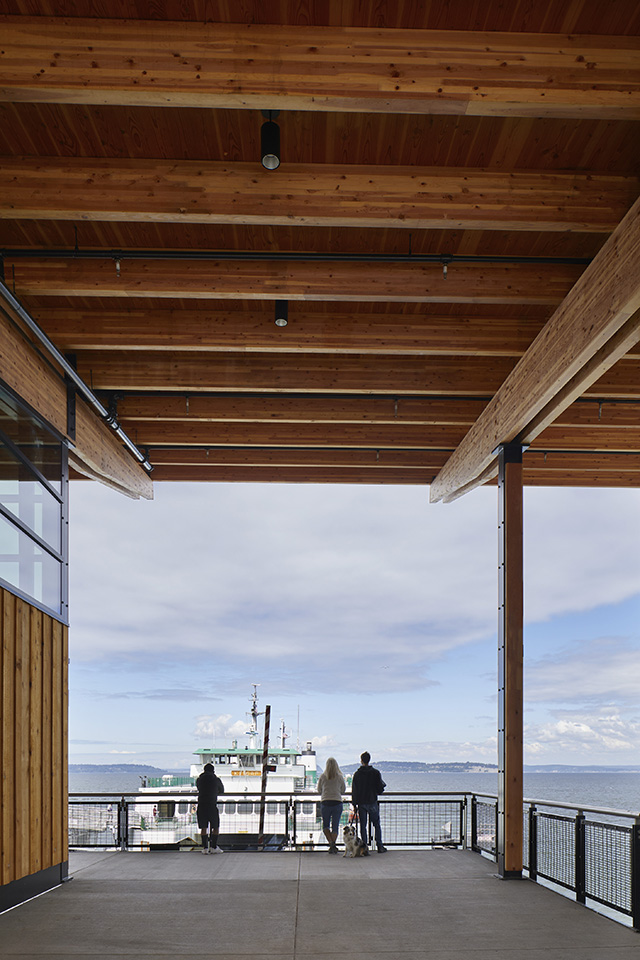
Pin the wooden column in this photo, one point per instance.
(510, 662)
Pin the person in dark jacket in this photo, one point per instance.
(209, 787)
(366, 786)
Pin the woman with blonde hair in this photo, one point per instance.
(331, 786)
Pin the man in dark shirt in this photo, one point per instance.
(367, 784)
(209, 787)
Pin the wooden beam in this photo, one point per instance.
(287, 409)
(95, 445)
(374, 436)
(295, 373)
(314, 373)
(309, 330)
(355, 409)
(596, 324)
(601, 438)
(241, 474)
(190, 191)
(265, 66)
(216, 456)
(545, 284)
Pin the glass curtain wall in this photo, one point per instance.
(33, 508)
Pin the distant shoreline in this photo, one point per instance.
(386, 766)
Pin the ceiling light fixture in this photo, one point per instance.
(282, 313)
(270, 141)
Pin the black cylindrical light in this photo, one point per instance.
(282, 313)
(270, 141)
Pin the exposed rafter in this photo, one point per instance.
(316, 195)
(264, 66)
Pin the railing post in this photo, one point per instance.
(580, 869)
(635, 874)
(123, 825)
(474, 823)
(533, 843)
(463, 822)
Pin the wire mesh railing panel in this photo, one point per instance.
(421, 822)
(556, 849)
(93, 824)
(525, 838)
(608, 865)
(485, 833)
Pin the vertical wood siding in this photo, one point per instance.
(33, 744)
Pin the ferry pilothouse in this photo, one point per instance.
(168, 818)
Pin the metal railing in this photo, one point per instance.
(291, 821)
(591, 851)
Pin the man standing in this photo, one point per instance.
(209, 787)
(366, 786)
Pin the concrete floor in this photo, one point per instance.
(441, 905)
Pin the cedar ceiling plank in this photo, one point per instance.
(492, 283)
(314, 195)
(265, 66)
(225, 330)
(587, 326)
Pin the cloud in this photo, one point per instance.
(181, 695)
(597, 735)
(130, 753)
(605, 669)
(221, 727)
(321, 589)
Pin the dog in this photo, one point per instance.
(353, 845)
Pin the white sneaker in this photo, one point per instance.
(205, 851)
(216, 850)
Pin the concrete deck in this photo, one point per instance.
(441, 904)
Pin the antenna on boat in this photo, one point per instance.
(252, 732)
(284, 736)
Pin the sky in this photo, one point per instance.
(367, 615)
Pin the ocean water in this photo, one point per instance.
(614, 791)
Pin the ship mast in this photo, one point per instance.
(252, 732)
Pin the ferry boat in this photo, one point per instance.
(167, 820)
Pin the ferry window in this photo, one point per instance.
(228, 807)
(283, 808)
(307, 807)
(183, 808)
(272, 808)
(166, 809)
(244, 807)
(33, 507)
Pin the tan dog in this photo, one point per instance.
(353, 845)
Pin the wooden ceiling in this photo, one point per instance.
(451, 173)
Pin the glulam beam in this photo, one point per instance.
(269, 66)
(493, 283)
(340, 331)
(94, 448)
(596, 324)
(316, 373)
(189, 191)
